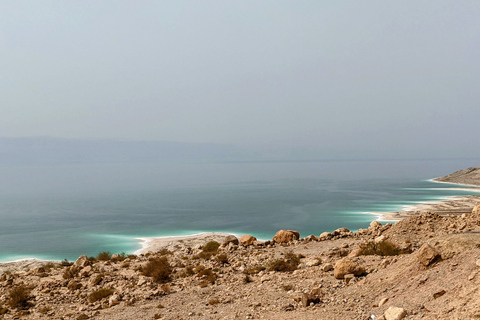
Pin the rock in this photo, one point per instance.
(374, 225)
(476, 209)
(311, 238)
(81, 262)
(113, 300)
(285, 236)
(380, 239)
(230, 239)
(325, 236)
(96, 279)
(382, 302)
(427, 254)
(354, 253)
(348, 277)
(247, 240)
(346, 266)
(439, 294)
(85, 272)
(394, 313)
(478, 263)
(312, 262)
(340, 231)
(327, 267)
(308, 299)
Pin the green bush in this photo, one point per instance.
(100, 294)
(383, 248)
(159, 269)
(289, 263)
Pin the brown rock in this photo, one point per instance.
(354, 253)
(324, 236)
(346, 266)
(327, 267)
(230, 239)
(81, 262)
(247, 240)
(374, 225)
(285, 236)
(427, 254)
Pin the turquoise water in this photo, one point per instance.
(58, 212)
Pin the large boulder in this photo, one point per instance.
(230, 239)
(285, 236)
(347, 266)
(374, 225)
(247, 240)
(427, 254)
(81, 262)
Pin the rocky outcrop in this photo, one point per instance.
(247, 240)
(286, 236)
(427, 254)
(347, 266)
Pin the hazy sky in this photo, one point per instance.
(324, 74)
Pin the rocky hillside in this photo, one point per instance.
(467, 176)
(423, 267)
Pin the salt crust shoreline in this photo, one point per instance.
(454, 204)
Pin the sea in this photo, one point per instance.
(57, 212)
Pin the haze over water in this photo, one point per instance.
(63, 211)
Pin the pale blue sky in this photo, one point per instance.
(347, 75)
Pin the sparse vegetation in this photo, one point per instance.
(288, 263)
(99, 294)
(207, 275)
(70, 272)
(159, 269)
(211, 246)
(382, 248)
(104, 256)
(18, 297)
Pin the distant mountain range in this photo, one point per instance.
(70, 151)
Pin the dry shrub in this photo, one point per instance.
(382, 248)
(222, 258)
(70, 272)
(118, 257)
(207, 275)
(211, 246)
(289, 263)
(66, 263)
(165, 252)
(99, 294)
(82, 316)
(159, 269)
(18, 297)
(255, 269)
(104, 256)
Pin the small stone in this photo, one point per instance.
(348, 277)
(478, 263)
(438, 294)
(382, 302)
(394, 313)
(327, 267)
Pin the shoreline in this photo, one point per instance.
(448, 205)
